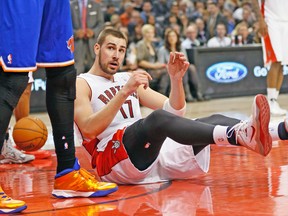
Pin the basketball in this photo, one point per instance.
(30, 134)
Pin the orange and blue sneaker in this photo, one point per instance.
(78, 182)
(9, 205)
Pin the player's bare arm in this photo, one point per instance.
(87, 120)
(177, 67)
(263, 29)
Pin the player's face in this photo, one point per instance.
(111, 54)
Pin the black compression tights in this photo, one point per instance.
(12, 86)
(60, 95)
(161, 124)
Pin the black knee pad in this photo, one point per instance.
(61, 81)
(12, 86)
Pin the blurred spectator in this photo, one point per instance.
(231, 5)
(130, 60)
(186, 8)
(158, 41)
(244, 13)
(220, 5)
(191, 37)
(256, 33)
(248, 16)
(125, 17)
(243, 36)
(189, 43)
(138, 5)
(220, 40)
(214, 18)
(176, 28)
(87, 20)
(137, 35)
(110, 10)
(184, 24)
(147, 56)
(146, 11)
(199, 8)
(172, 19)
(173, 16)
(172, 43)
(201, 31)
(122, 6)
(115, 21)
(230, 21)
(135, 20)
(160, 9)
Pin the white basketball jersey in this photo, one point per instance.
(103, 90)
(276, 10)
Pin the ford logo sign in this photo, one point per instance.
(226, 72)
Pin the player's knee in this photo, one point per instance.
(13, 84)
(159, 118)
(62, 81)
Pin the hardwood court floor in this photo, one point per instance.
(239, 181)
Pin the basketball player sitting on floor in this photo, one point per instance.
(129, 149)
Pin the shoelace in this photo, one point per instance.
(237, 128)
(86, 174)
(4, 197)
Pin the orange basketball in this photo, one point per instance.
(30, 134)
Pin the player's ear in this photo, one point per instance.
(96, 48)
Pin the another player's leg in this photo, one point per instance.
(274, 83)
(70, 180)
(9, 205)
(13, 84)
(23, 110)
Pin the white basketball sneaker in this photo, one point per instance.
(13, 155)
(275, 108)
(254, 133)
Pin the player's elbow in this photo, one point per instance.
(88, 133)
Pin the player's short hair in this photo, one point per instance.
(110, 31)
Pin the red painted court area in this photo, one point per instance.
(239, 182)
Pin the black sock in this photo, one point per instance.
(6, 136)
(231, 136)
(283, 134)
(65, 151)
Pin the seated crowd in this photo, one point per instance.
(156, 27)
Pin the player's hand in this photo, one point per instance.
(79, 34)
(137, 78)
(177, 65)
(263, 28)
(89, 33)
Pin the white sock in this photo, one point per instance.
(220, 135)
(271, 93)
(273, 130)
(277, 94)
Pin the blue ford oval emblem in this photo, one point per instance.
(226, 72)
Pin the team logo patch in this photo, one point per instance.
(116, 145)
(70, 44)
